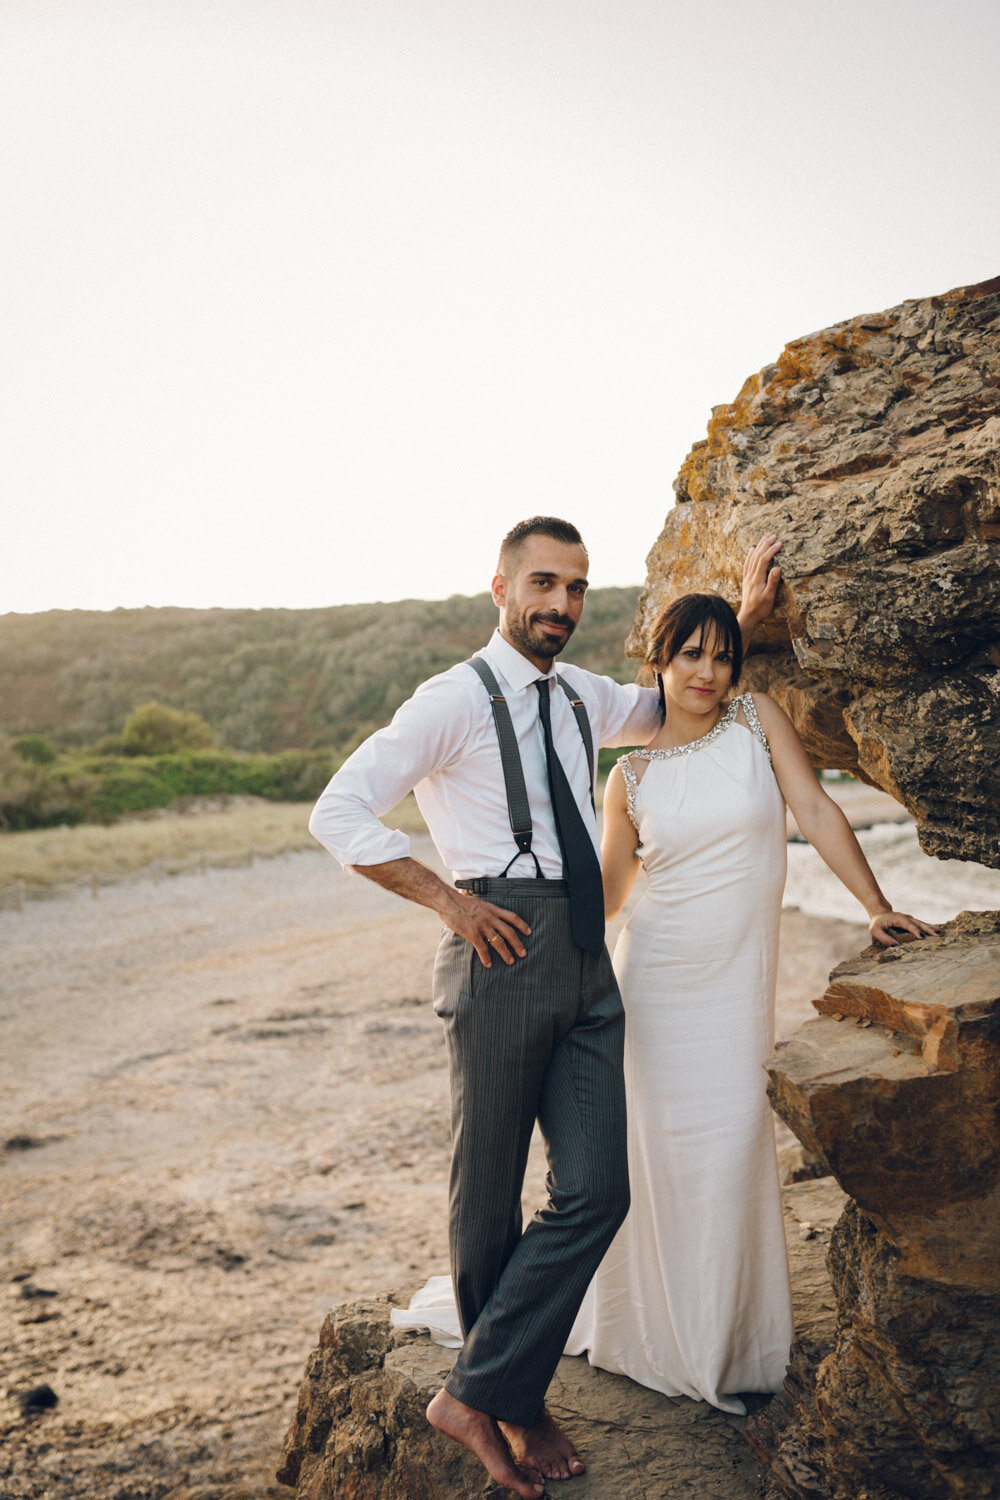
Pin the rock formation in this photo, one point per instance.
(873, 449)
(360, 1431)
(895, 1088)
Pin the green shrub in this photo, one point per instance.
(155, 729)
(129, 786)
(36, 796)
(94, 788)
(300, 775)
(36, 749)
(20, 787)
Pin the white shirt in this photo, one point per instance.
(442, 744)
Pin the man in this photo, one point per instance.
(500, 758)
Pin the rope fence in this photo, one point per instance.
(14, 897)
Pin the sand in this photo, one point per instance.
(224, 1108)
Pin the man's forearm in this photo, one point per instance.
(414, 882)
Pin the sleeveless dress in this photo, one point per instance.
(692, 1298)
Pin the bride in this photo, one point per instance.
(692, 1298)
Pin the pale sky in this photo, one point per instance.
(307, 302)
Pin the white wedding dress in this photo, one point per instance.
(692, 1298)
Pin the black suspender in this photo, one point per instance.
(513, 772)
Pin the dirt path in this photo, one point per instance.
(224, 1108)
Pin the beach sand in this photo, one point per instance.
(225, 1110)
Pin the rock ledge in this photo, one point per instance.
(360, 1432)
(895, 1088)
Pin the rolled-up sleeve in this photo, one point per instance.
(426, 733)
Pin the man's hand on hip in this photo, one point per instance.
(488, 928)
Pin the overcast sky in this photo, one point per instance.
(307, 302)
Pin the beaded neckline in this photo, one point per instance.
(744, 701)
(669, 752)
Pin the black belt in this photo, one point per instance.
(499, 885)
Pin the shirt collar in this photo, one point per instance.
(516, 669)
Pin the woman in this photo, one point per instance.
(693, 1298)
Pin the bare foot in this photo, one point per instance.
(479, 1433)
(544, 1447)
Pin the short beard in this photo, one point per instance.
(538, 645)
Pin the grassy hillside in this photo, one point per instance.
(40, 858)
(265, 679)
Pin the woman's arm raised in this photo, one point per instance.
(618, 846)
(823, 823)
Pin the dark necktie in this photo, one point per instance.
(581, 867)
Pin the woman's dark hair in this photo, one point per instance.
(678, 622)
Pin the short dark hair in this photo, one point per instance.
(551, 526)
(678, 622)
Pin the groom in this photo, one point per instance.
(500, 753)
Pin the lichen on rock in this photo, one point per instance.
(873, 450)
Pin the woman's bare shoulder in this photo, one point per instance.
(768, 710)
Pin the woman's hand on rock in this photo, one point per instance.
(761, 577)
(881, 924)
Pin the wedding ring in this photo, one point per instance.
(494, 939)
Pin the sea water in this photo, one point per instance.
(933, 889)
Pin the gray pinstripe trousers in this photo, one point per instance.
(541, 1039)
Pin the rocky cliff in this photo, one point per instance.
(895, 1087)
(360, 1432)
(873, 449)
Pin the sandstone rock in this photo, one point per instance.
(360, 1431)
(904, 1112)
(873, 449)
(913, 1377)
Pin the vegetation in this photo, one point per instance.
(111, 714)
(47, 857)
(263, 680)
(89, 787)
(36, 749)
(154, 729)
